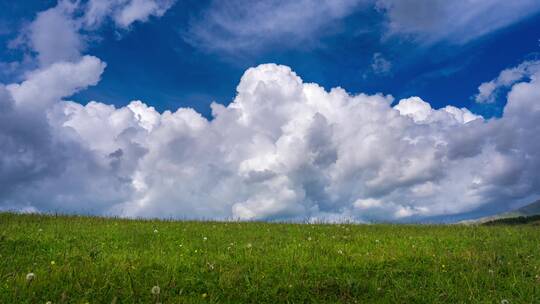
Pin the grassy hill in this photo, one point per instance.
(98, 260)
(526, 211)
(531, 209)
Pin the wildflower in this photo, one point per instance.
(309, 238)
(53, 263)
(155, 231)
(30, 276)
(249, 245)
(290, 285)
(205, 238)
(204, 295)
(376, 241)
(340, 251)
(155, 290)
(504, 301)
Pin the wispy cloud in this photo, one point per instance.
(457, 21)
(242, 26)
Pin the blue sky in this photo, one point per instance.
(153, 62)
(356, 110)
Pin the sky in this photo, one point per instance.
(344, 110)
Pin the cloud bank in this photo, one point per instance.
(282, 149)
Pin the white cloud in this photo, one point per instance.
(60, 79)
(241, 25)
(488, 91)
(59, 33)
(380, 65)
(54, 35)
(457, 21)
(283, 149)
(124, 12)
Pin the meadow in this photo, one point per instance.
(70, 259)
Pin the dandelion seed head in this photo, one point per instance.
(155, 290)
(30, 276)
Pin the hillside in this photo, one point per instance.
(525, 211)
(99, 260)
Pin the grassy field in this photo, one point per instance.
(96, 260)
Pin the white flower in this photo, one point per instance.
(155, 231)
(155, 290)
(205, 238)
(340, 251)
(30, 276)
(309, 238)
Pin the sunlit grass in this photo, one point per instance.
(96, 260)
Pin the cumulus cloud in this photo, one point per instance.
(457, 21)
(282, 149)
(488, 91)
(59, 33)
(65, 43)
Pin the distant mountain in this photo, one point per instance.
(531, 209)
(526, 211)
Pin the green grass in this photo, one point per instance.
(96, 260)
